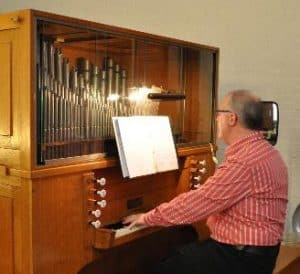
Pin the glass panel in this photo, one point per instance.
(84, 78)
(199, 90)
(88, 76)
(158, 68)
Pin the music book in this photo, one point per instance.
(145, 145)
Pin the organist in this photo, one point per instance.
(244, 202)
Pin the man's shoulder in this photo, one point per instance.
(253, 153)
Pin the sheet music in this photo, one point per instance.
(164, 151)
(120, 147)
(134, 146)
(145, 145)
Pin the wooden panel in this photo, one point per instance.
(62, 237)
(60, 228)
(150, 190)
(9, 157)
(5, 88)
(9, 21)
(6, 235)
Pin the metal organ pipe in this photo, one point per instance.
(79, 102)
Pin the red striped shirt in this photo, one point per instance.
(247, 197)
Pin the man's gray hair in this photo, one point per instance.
(248, 108)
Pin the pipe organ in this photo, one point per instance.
(62, 194)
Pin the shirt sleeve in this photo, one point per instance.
(230, 183)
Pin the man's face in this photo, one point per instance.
(223, 120)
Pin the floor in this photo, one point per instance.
(288, 261)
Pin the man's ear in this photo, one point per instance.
(233, 119)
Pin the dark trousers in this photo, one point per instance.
(211, 257)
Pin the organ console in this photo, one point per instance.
(62, 193)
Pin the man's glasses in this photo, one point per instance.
(223, 111)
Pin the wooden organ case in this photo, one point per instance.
(62, 194)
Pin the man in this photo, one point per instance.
(245, 201)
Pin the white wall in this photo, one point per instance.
(259, 45)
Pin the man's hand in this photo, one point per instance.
(134, 220)
(211, 221)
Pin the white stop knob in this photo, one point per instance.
(203, 163)
(101, 181)
(102, 203)
(202, 170)
(101, 193)
(197, 178)
(96, 213)
(96, 224)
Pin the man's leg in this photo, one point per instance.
(253, 263)
(211, 257)
(197, 258)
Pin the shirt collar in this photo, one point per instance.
(240, 143)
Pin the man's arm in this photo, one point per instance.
(230, 183)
